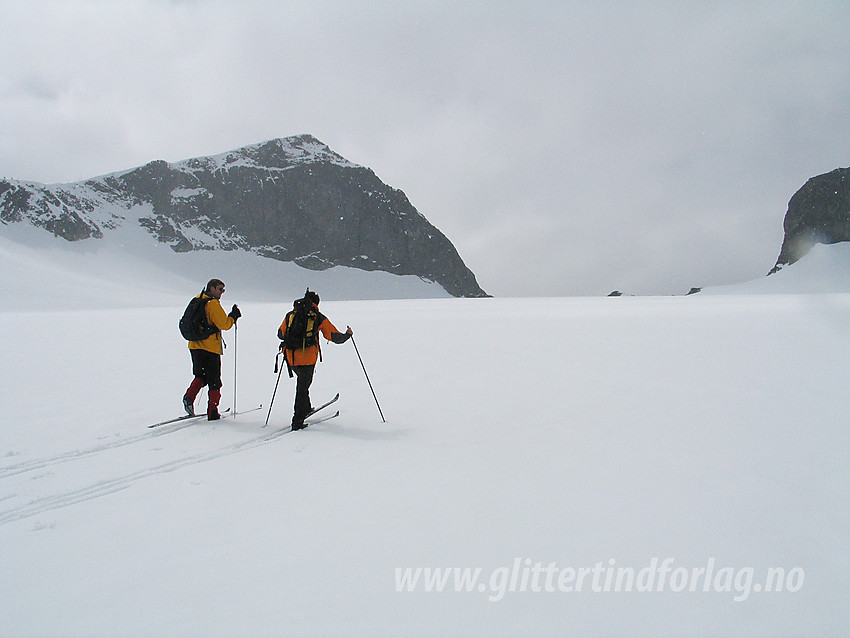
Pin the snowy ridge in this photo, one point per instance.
(825, 269)
(127, 270)
(290, 151)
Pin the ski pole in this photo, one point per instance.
(367, 379)
(271, 403)
(235, 358)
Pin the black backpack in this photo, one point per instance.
(194, 325)
(302, 325)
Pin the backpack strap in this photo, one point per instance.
(320, 319)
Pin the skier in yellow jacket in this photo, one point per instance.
(300, 345)
(206, 354)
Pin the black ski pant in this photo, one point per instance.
(304, 376)
(206, 365)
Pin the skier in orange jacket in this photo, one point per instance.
(299, 334)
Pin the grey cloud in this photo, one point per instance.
(565, 148)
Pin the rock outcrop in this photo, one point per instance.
(818, 213)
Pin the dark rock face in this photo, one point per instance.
(818, 213)
(61, 211)
(289, 199)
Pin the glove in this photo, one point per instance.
(235, 312)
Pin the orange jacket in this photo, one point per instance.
(310, 355)
(217, 317)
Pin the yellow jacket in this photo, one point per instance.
(218, 318)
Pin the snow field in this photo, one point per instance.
(564, 432)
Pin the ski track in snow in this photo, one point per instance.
(110, 486)
(35, 464)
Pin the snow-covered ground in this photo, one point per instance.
(129, 269)
(624, 466)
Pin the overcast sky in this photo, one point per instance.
(565, 148)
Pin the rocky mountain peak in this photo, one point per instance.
(280, 153)
(291, 199)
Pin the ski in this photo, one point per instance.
(187, 417)
(323, 406)
(288, 428)
(321, 419)
(259, 407)
(311, 412)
